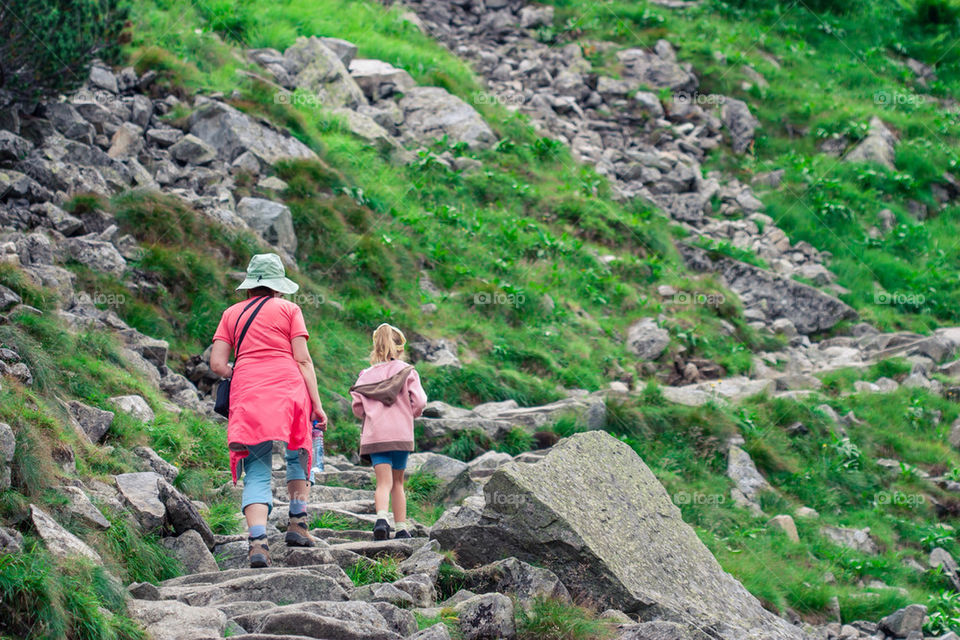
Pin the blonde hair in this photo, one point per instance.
(388, 342)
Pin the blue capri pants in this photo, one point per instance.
(257, 470)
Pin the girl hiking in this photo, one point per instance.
(387, 397)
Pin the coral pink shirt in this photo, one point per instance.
(268, 397)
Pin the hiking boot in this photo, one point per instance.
(381, 530)
(259, 555)
(297, 533)
(401, 534)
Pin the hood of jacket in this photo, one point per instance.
(385, 389)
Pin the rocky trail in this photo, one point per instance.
(582, 520)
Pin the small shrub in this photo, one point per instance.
(450, 579)
(222, 517)
(330, 520)
(343, 438)
(142, 557)
(515, 442)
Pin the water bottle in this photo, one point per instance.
(317, 434)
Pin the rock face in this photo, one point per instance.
(593, 513)
(773, 296)
(432, 112)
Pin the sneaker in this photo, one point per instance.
(381, 530)
(402, 533)
(298, 535)
(259, 555)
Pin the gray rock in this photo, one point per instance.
(80, 506)
(232, 133)
(532, 16)
(380, 79)
(163, 137)
(593, 513)
(98, 255)
(486, 617)
(192, 552)
(288, 585)
(60, 542)
(10, 541)
(644, 67)
(445, 468)
(272, 220)
(8, 298)
(344, 50)
(522, 580)
(438, 631)
(902, 622)
(169, 620)
(134, 406)
(57, 218)
(94, 422)
(383, 592)
(810, 310)
(67, 120)
(856, 539)
(440, 352)
(315, 68)
(8, 448)
(192, 150)
(151, 461)
(365, 127)
(182, 514)
(13, 147)
(141, 494)
(877, 147)
(127, 141)
(646, 340)
(425, 560)
(420, 587)
(431, 112)
(739, 122)
(103, 78)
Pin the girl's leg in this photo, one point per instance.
(384, 488)
(399, 499)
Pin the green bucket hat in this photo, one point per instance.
(266, 270)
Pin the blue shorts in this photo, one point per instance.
(396, 459)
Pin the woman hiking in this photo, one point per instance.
(387, 397)
(273, 397)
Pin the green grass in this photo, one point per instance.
(550, 619)
(385, 569)
(446, 617)
(330, 520)
(44, 598)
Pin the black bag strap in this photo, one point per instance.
(236, 348)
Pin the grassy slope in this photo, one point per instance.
(525, 226)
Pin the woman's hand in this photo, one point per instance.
(317, 415)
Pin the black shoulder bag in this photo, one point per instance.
(222, 405)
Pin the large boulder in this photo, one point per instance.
(97, 254)
(272, 220)
(232, 132)
(646, 340)
(656, 69)
(93, 421)
(432, 112)
(134, 406)
(192, 552)
(593, 513)
(739, 122)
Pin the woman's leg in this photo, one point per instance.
(298, 489)
(257, 494)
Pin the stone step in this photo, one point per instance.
(288, 585)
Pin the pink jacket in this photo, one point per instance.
(387, 426)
